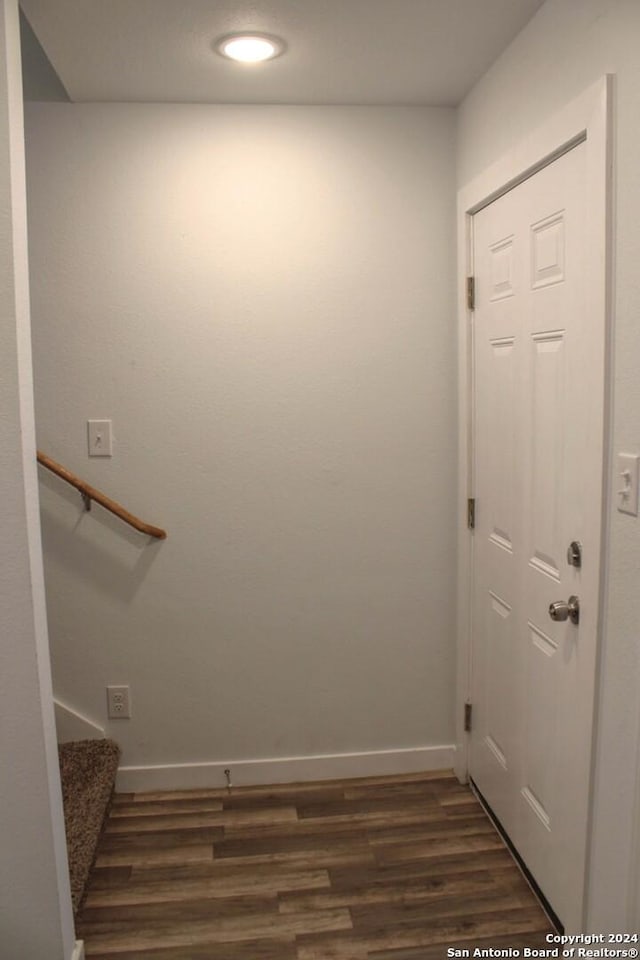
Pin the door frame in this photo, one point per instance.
(586, 119)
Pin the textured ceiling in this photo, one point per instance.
(339, 51)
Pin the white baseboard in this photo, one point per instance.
(189, 776)
(78, 951)
(71, 725)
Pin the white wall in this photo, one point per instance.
(567, 46)
(35, 902)
(262, 300)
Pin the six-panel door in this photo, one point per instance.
(538, 412)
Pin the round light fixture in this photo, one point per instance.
(249, 47)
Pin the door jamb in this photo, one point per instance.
(587, 118)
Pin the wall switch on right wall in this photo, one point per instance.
(627, 480)
(99, 438)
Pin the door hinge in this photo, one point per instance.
(471, 513)
(471, 293)
(467, 717)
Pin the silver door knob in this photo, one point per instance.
(565, 610)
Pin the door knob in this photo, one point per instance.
(565, 610)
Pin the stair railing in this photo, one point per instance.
(90, 493)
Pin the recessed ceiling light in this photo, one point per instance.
(249, 47)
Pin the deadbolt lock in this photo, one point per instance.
(566, 610)
(574, 554)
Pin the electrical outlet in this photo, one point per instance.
(629, 475)
(118, 703)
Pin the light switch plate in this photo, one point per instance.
(627, 483)
(99, 438)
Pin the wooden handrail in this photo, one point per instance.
(90, 493)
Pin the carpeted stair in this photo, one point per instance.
(88, 772)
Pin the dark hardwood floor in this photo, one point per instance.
(387, 868)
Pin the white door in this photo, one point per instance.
(538, 448)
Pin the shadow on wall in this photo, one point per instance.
(94, 545)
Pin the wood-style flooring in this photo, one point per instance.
(386, 868)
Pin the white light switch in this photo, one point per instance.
(627, 483)
(99, 438)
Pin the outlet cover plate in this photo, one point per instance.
(118, 702)
(628, 479)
